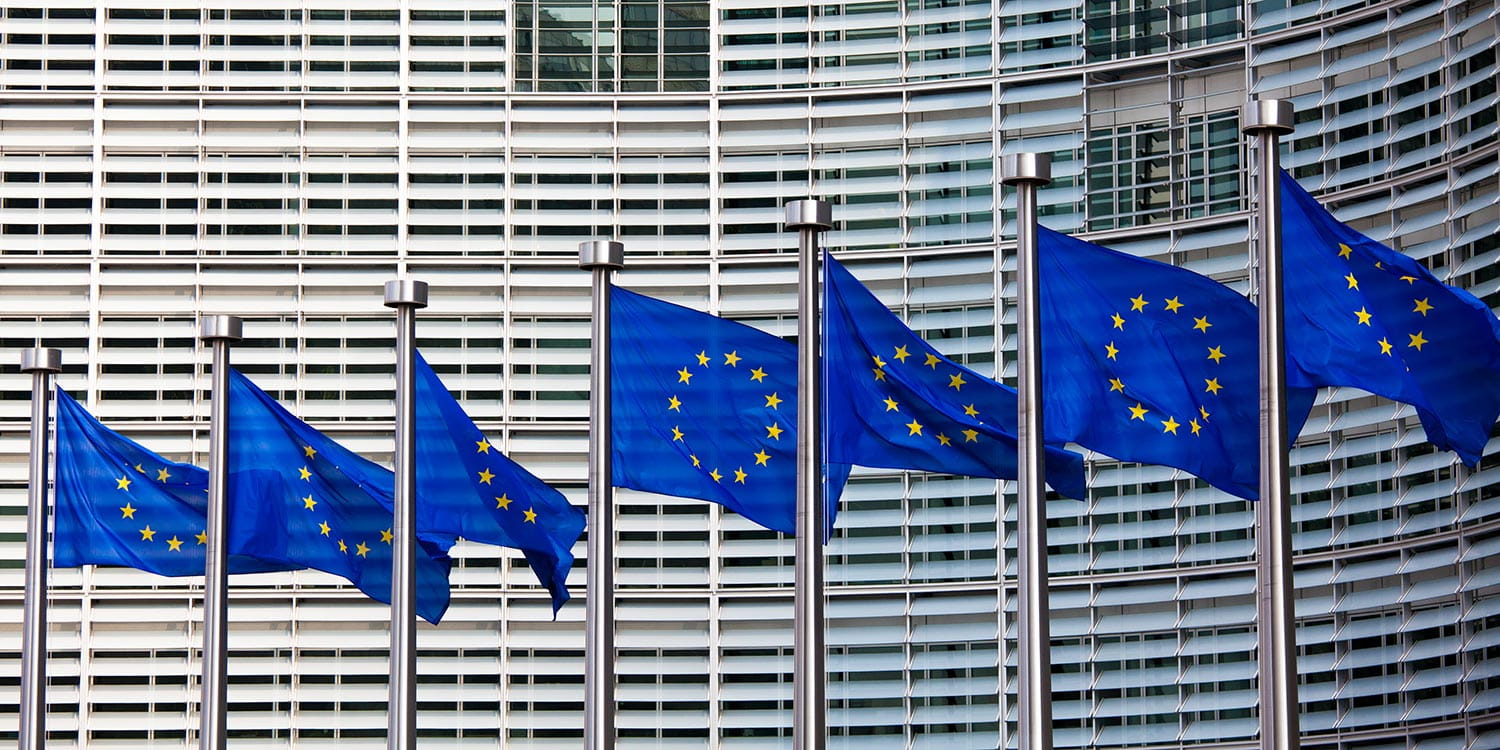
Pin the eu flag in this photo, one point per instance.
(894, 402)
(706, 408)
(1147, 362)
(1360, 314)
(467, 488)
(298, 497)
(121, 504)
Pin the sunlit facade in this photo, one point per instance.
(164, 160)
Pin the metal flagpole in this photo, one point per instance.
(602, 258)
(809, 218)
(1027, 172)
(42, 363)
(407, 296)
(219, 331)
(1266, 121)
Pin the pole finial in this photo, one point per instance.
(405, 293)
(1026, 167)
(607, 254)
(220, 327)
(809, 213)
(41, 359)
(1274, 116)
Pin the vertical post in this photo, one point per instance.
(42, 363)
(1266, 121)
(1027, 172)
(219, 331)
(602, 258)
(406, 296)
(809, 218)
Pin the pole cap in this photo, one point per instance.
(1026, 168)
(41, 359)
(221, 328)
(405, 293)
(809, 214)
(1274, 116)
(606, 254)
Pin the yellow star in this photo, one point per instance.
(163, 475)
(761, 457)
(1353, 282)
(683, 376)
(696, 464)
(716, 475)
(1196, 427)
(878, 361)
(1363, 315)
(481, 446)
(970, 411)
(1202, 324)
(362, 550)
(703, 358)
(307, 450)
(503, 502)
(343, 547)
(891, 405)
(1170, 425)
(1344, 250)
(902, 354)
(323, 527)
(1203, 410)
(879, 373)
(202, 537)
(530, 515)
(739, 475)
(956, 381)
(758, 375)
(1137, 412)
(1138, 304)
(1416, 341)
(773, 431)
(970, 436)
(128, 511)
(1173, 305)
(915, 427)
(1216, 353)
(1115, 384)
(123, 483)
(485, 476)
(140, 468)
(772, 400)
(944, 439)
(309, 503)
(676, 434)
(1422, 306)
(1119, 321)
(147, 534)
(1110, 350)
(1385, 347)
(386, 536)
(1211, 385)
(732, 358)
(673, 404)
(304, 474)
(174, 544)
(1378, 265)
(932, 360)
(1409, 279)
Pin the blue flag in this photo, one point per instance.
(120, 504)
(298, 497)
(1147, 362)
(707, 408)
(894, 402)
(467, 488)
(1360, 314)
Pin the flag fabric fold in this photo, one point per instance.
(1360, 314)
(894, 402)
(1147, 362)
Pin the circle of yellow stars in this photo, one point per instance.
(1363, 317)
(773, 401)
(310, 504)
(128, 510)
(487, 478)
(1211, 386)
(956, 381)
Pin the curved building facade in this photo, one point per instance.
(280, 161)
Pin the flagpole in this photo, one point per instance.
(809, 218)
(406, 296)
(42, 363)
(602, 258)
(219, 331)
(1266, 120)
(1027, 172)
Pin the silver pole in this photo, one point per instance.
(219, 331)
(1266, 121)
(407, 296)
(602, 258)
(42, 363)
(809, 674)
(1027, 172)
